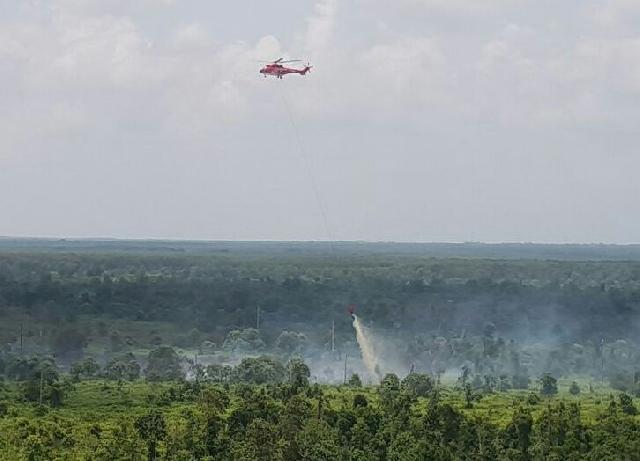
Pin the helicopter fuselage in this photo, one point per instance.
(278, 70)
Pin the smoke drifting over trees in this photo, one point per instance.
(249, 351)
(508, 319)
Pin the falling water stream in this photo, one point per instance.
(366, 348)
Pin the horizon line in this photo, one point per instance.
(319, 241)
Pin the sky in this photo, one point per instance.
(422, 120)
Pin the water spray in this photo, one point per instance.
(366, 348)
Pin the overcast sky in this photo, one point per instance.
(422, 120)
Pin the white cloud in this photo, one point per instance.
(408, 70)
(614, 63)
(320, 27)
(81, 61)
(520, 74)
(156, 80)
(613, 14)
(465, 7)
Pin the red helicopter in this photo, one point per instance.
(276, 68)
(352, 310)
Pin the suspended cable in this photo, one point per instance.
(309, 168)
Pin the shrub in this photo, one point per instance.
(260, 370)
(360, 400)
(355, 381)
(533, 399)
(417, 384)
(574, 389)
(626, 405)
(163, 363)
(548, 385)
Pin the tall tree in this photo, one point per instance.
(152, 429)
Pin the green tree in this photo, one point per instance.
(354, 381)
(4, 409)
(389, 389)
(290, 342)
(185, 440)
(559, 433)
(123, 367)
(504, 383)
(574, 389)
(317, 441)
(469, 395)
(298, 372)
(41, 383)
(247, 340)
(626, 405)
(419, 385)
(214, 400)
(360, 401)
(217, 373)
(518, 433)
(213, 403)
(87, 368)
(120, 441)
(259, 442)
(260, 370)
(152, 429)
(35, 449)
(296, 412)
(405, 447)
(163, 364)
(548, 385)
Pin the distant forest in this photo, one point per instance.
(221, 287)
(427, 312)
(247, 351)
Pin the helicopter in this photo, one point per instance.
(276, 68)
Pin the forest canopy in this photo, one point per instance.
(249, 352)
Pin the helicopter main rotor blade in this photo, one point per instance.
(279, 61)
(270, 61)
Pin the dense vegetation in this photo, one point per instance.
(219, 291)
(409, 419)
(196, 351)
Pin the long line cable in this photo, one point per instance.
(309, 167)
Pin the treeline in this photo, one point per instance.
(574, 300)
(39, 379)
(292, 421)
